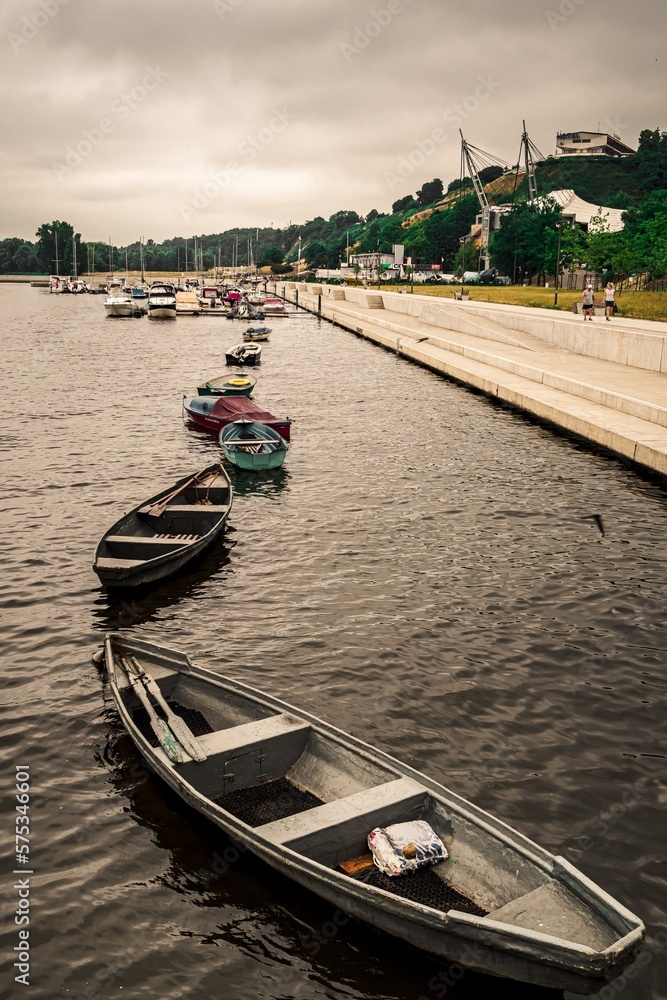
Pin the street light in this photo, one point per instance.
(560, 231)
(462, 241)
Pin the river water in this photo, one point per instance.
(442, 577)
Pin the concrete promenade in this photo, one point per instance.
(605, 381)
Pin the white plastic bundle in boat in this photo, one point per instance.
(405, 847)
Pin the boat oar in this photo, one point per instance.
(178, 726)
(164, 735)
(158, 508)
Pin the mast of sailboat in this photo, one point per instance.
(55, 232)
(74, 274)
(141, 258)
(110, 259)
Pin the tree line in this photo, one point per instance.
(525, 246)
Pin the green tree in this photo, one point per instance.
(527, 240)
(273, 255)
(491, 173)
(316, 254)
(430, 192)
(404, 203)
(55, 247)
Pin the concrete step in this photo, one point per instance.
(535, 360)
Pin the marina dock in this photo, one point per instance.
(604, 381)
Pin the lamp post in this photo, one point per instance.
(560, 231)
(462, 241)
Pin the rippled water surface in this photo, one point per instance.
(440, 576)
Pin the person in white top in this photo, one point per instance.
(609, 300)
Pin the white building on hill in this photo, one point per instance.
(591, 144)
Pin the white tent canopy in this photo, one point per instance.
(583, 211)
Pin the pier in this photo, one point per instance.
(604, 381)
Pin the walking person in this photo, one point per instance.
(588, 300)
(609, 300)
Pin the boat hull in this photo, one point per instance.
(216, 425)
(305, 847)
(252, 462)
(119, 309)
(252, 360)
(161, 311)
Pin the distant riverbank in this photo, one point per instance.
(632, 304)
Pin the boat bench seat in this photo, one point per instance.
(153, 539)
(238, 755)
(106, 563)
(196, 508)
(224, 741)
(366, 809)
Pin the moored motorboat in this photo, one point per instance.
(244, 354)
(214, 413)
(228, 385)
(210, 298)
(256, 333)
(252, 445)
(187, 303)
(304, 798)
(274, 306)
(162, 300)
(163, 534)
(118, 302)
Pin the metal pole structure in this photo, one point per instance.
(560, 229)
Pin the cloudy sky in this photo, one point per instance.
(161, 118)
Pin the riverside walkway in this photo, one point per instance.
(605, 381)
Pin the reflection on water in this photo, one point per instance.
(123, 609)
(440, 576)
(262, 483)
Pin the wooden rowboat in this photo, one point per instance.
(249, 444)
(230, 385)
(160, 536)
(304, 796)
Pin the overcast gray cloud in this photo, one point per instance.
(166, 117)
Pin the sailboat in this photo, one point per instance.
(56, 283)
